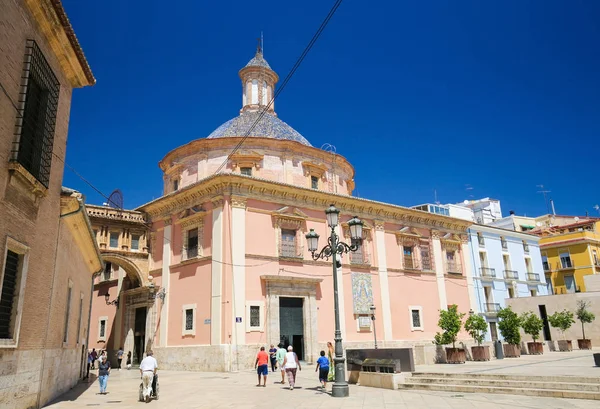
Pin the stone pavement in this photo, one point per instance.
(182, 390)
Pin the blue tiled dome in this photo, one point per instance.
(269, 126)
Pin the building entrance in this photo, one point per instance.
(291, 324)
(139, 337)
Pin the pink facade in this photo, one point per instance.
(228, 254)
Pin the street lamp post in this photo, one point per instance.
(336, 247)
(372, 308)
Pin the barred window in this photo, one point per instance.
(425, 257)
(102, 328)
(37, 120)
(254, 316)
(189, 319)
(288, 243)
(9, 288)
(416, 318)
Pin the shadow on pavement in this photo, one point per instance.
(75, 392)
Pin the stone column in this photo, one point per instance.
(119, 313)
(216, 272)
(166, 276)
(468, 271)
(386, 309)
(238, 256)
(438, 257)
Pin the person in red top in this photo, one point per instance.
(262, 365)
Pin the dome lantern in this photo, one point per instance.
(258, 84)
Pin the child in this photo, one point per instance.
(323, 368)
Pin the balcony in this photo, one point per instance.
(410, 263)
(511, 274)
(533, 277)
(492, 308)
(289, 250)
(565, 264)
(487, 272)
(452, 267)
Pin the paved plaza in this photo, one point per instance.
(184, 390)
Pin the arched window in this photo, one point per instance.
(254, 92)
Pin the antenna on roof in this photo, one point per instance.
(262, 43)
(435, 200)
(545, 192)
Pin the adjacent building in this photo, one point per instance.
(506, 264)
(48, 255)
(228, 268)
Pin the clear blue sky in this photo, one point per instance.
(498, 95)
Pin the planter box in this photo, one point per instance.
(535, 348)
(584, 343)
(597, 359)
(565, 346)
(481, 353)
(455, 356)
(511, 351)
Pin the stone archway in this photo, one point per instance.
(130, 267)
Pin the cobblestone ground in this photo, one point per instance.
(184, 390)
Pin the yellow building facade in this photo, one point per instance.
(569, 253)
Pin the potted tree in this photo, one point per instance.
(532, 325)
(585, 317)
(477, 328)
(509, 326)
(451, 322)
(562, 320)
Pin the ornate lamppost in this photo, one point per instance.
(335, 249)
(114, 302)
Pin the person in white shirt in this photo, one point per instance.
(148, 368)
(291, 364)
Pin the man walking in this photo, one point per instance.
(148, 368)
(262, 363)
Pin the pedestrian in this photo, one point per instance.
(323, 368)
(120, 357)
(89, 364)
(262, 366)
(94, 357)
(291, 364)
(330, 355)
(280, 356)
(148, 368)
(273, 357)
(103, 372)
(128, 359)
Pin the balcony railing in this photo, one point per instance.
(492, 308)
(565, 264)
(452, 267)
(511, 274)
(291, 251)
(533, 277)
(487, 272)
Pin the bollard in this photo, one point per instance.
(499, 350)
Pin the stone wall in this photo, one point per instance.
(19, 378)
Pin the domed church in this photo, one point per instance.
(228, 268)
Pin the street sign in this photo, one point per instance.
(238, 319)
(207, 321)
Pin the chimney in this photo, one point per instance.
(512, 212)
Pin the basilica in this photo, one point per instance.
(219, 265)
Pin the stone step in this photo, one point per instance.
(508, 377)
(527, 384)
(552, 393)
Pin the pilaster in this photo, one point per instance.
(166, 277)
(468, 271)
(438, 257)
(238, 256)
(386, 312)
(216, 272)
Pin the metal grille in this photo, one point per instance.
(34, 131)
(416, 318)
(192, 243)
(288, 243)
(189, 320)
(102, 328)
(254, 316)
(425, 258)
(9, 284)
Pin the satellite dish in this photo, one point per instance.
(466, 202)
(115, 200)
(576, 219)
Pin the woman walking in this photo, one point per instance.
(291, 364)
(103, 372)
(273, 357)
(330, 355)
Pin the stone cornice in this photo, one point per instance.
(256, 188)
(256, 145)
(56, 28)
(246, 160)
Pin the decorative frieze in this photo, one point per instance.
(238, 201)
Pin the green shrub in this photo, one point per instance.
(450, 322)
(476, 327)
(509, 326)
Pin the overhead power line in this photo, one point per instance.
(285, 81)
